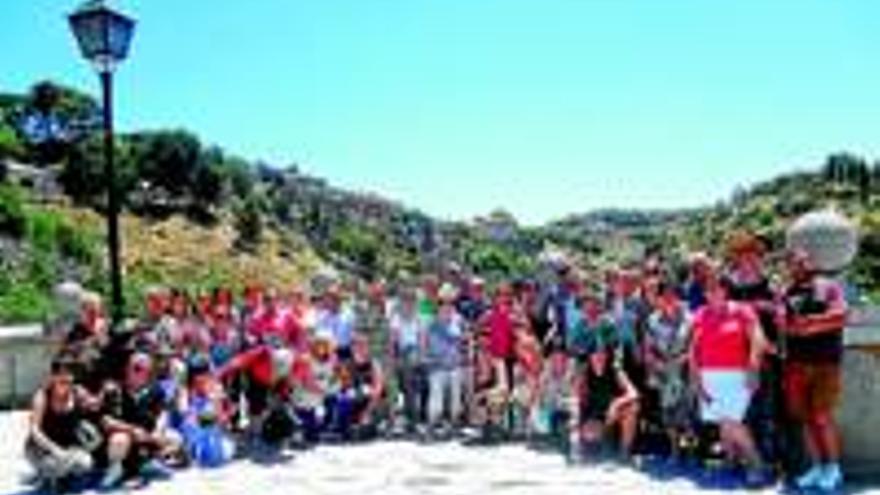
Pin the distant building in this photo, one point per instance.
(499, 226)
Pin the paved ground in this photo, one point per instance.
(385, 468)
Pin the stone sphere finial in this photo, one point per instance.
(829, 237)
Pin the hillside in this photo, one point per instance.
(845, 182)
(42, 244)
(197, 216)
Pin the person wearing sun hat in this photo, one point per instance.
(748, 282)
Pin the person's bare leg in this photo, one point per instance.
(729, 441)
(728, 445)
(118, 447)
(827, 437)
(629, 422)
(743, 443)
(811, 441)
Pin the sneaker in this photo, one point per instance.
(810, 479)
(831, 478)
(155, 470)
(758, 477)
(112, 477)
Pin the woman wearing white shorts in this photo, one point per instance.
(728, 345)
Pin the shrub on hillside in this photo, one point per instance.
(24, 302)
(10, 145)
(42, 230)
(13, 218)
(249, 223)
(75, 243)
(359, 246)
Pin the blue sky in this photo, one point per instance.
(544, 107)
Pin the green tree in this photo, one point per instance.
(239, 177)
(360, 246)
(83, 176)
(167, 159)
(249, 222)
(208, 180)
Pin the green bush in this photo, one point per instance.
(13, 218)
(43, 230)
(75, 242)
(24, 302)
(42, 270)
(249, 223)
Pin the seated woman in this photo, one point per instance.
(609, 402)
(206, 418)
(56, 446)
(139, 436)
(270, 380)
(316, 378)
(358, 402)
(527, 376)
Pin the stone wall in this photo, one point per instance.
(859, 414)
(25, 354)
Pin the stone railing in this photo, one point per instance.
(25, 354)
(859, 413)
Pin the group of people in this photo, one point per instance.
(714, 363)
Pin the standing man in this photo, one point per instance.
(813, 325)
(338, 321)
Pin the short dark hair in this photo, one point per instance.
(63, 364)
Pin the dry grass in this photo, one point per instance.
(177, 251)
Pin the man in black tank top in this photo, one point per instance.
(815, 317)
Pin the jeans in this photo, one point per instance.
(444, 384)
(410, 380)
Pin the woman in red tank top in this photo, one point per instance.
(726, 354)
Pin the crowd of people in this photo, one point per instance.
(713, 366)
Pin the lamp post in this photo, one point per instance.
(103, 36)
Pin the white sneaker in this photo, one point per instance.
(811, 478)
(113, 477)
(831, 479)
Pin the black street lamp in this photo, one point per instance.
(103, 36)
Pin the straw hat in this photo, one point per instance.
(447, 292)
(741, 242)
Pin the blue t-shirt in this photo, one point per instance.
(444, 344)
(340, 324)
